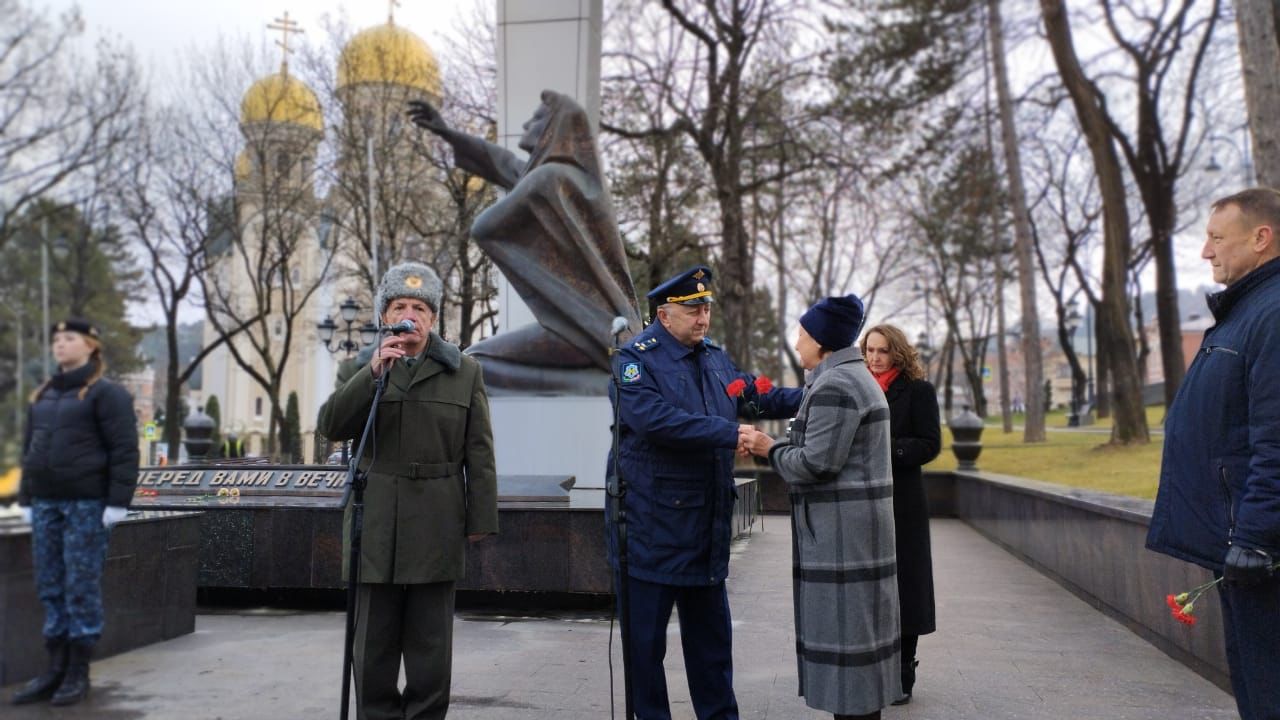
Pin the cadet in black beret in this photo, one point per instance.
(79, 469)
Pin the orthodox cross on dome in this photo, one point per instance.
(391, 11)
(287, 26)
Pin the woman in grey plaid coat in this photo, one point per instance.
(836, 462)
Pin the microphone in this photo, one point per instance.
(620, 324)
(403, 326)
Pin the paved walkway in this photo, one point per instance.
(1011, 645)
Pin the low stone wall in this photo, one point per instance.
(148, 589)
(1093, 544)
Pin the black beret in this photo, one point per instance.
(79, 325)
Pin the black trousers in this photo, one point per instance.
(413, 622)
(1251, 624)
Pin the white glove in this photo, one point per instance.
(26, 514)
(112, 515)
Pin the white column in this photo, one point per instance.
(542, 45)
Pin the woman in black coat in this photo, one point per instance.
(79, 468)
(917, 437)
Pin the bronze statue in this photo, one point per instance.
(555, 239)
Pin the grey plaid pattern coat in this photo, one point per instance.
(836, 462)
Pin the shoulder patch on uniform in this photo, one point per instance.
(642, 345)
(631, 372)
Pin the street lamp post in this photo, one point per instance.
(1073, 324)
(926, 351)
(347, 311)
(1088, 335)
(923, 292)
(44, 297)
(1246, 163)
(326, 328)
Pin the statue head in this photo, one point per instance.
(559, 131)
(534, 127)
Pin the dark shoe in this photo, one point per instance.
(908, 681)
(75, 686)
(43, 687)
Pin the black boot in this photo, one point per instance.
(75, 686)
(43, 687)
(908, 680)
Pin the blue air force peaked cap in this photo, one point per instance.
(691, 287)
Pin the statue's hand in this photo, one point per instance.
(426, 116)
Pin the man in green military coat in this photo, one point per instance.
(432, 487)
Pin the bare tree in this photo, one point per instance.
(1115, 335)
(657, 180)
(718, 96)
(267, 253)
(1068, 201)
(59, 114)
(953, 222)
(167, 203)
(1167, 50)
(1033, 430)
(1258, 28)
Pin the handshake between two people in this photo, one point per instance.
(753, 441)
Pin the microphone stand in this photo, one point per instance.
(616, 490)
(356, 481)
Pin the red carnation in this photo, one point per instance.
(763, 384)
(1184, 618)
(735, 388)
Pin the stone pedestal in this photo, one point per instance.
(148, 589)
(553, 435)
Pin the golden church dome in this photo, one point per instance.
(281, 98)
(389, 54)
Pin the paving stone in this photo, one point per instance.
(1011, 645)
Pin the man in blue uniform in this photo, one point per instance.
(677, 439)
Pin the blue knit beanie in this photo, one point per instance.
(834, 322)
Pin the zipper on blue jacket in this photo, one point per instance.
(1231, 517)
(1220, 348)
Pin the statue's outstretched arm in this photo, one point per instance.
(479, 157)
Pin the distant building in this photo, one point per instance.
(141, 384)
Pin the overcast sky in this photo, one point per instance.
(160, 30)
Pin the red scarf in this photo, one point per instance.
(886, 378)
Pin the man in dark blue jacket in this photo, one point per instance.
(1219, 500)
(678, 434)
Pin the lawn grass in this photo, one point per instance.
(1068, 457)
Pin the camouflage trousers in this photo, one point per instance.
(69, 544)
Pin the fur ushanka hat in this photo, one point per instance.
(411, 280)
